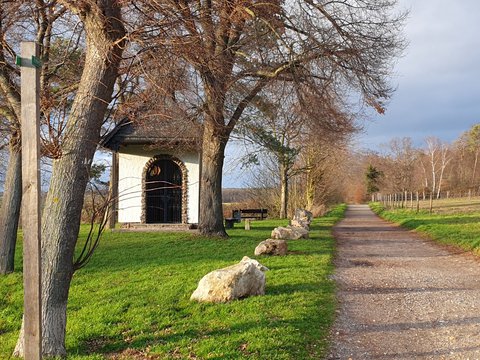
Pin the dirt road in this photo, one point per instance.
(401, 296)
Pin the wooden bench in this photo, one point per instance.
(242, 214)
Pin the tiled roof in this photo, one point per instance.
(165, 134)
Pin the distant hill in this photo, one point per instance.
(235, 195)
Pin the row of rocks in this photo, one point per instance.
(299, 228)
(247, 278)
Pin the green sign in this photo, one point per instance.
(36, 61)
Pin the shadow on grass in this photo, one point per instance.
(171, 338)
(192, 332)
(164, 249)
(292, 288)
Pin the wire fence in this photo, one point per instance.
(444, 202)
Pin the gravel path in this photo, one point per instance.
(402, 296)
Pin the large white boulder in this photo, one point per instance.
(289, 233)
(272, 247)
(238, 281)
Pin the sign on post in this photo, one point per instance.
(30, 93)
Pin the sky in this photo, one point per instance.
(438, 77)
(437, 81)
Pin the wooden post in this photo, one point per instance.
(431, 202)
(112, 212)
(247, 224)
(30, 90)
(418, 203)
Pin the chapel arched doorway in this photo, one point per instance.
(163, 192)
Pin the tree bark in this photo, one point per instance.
(283, 191)
(10, 210)
(213, 153)
(62, 212)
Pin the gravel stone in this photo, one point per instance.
(402, 296)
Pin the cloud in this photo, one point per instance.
(438, 78)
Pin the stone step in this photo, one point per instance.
(156, 227)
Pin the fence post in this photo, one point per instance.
(418, 203)
(431, 202)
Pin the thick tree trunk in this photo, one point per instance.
(10, 211)
(213, 153)
(63, 206)
(283, 191)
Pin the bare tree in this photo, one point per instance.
(402, 154)
(445, 157)
(438, 158)
(469, 147)
(10, 210)
(59, 76)
(324, 163)
(275, 129)
(235, 49)
(104, 41)
(36, 20)
(328, 131)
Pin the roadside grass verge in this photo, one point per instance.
(461, 229)
(132, 299)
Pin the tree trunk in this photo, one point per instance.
(440, 180)
(63, 206)
(213, 153)
(474, 167)
(283, 191)
(310, 186)
(10, 211)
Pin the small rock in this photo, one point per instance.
(271, 247)
(300, 223)
(289, 233)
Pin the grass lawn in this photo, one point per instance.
(448, 206)
(460, 228)
(132, 299)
